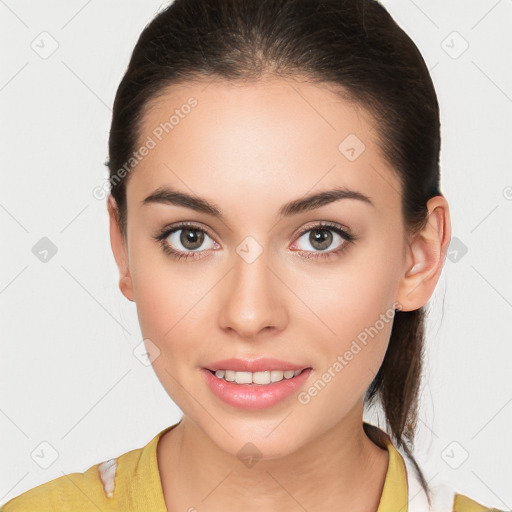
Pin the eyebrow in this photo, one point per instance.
(168, 195)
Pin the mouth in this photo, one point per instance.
(255, 390)
(260, 378)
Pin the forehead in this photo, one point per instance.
(272, 138)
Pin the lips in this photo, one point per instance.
(254, 396)
(254, 365)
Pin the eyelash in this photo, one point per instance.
(348, 237)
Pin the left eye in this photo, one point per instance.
(322, 237)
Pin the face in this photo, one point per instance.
(315, 286)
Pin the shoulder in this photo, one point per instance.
(465, 504)
(91, 490)
(79, 490)
(403, 471)
(445, 497)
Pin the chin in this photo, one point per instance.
(261, 441)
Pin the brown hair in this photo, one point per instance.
(354, 45)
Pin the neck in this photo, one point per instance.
(342, 469)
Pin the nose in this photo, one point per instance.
(251, 301)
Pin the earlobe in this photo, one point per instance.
(426, 256)
(119, 250)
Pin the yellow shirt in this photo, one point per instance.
(133, 482)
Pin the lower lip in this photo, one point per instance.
(254, 396)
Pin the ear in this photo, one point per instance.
(425, 257)
(119, 249)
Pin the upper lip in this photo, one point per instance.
(254, 365)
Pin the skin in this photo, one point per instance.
(250, 148)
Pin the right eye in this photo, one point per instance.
(183, 241)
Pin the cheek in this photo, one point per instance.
(171, 304)
(350, 364)
(354, 306)
(165, 291)
(344, 299)
(172, 308)
(163, 302)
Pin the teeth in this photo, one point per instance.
(265, 377)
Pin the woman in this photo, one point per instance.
(276, 216)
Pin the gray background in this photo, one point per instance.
(73, 392)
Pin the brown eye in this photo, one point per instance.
(320, 238)
(191, 239)
(184, 241)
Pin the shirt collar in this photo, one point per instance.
(395, 492)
